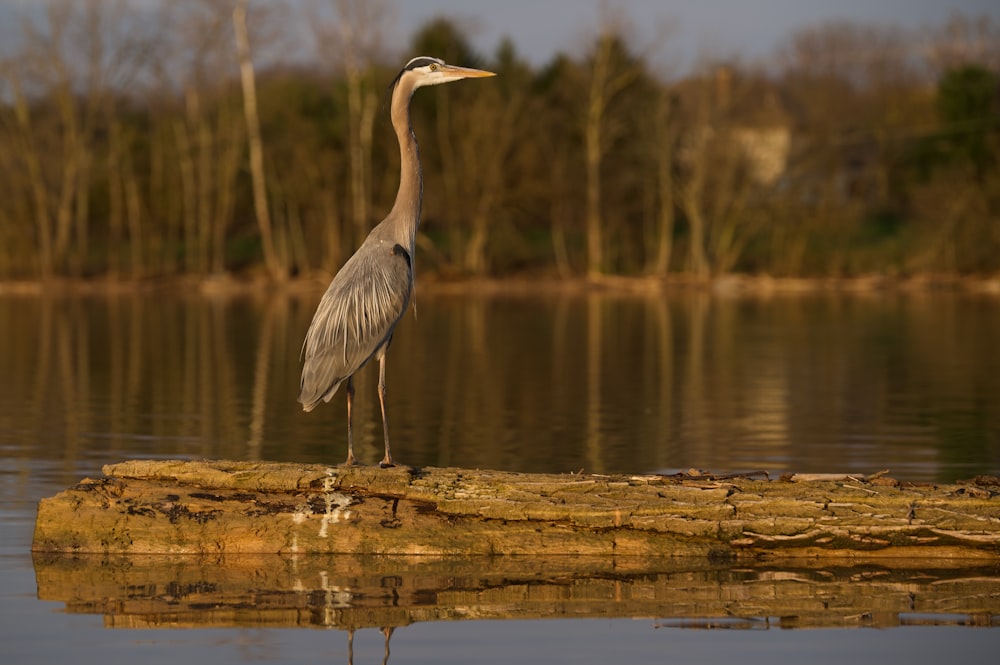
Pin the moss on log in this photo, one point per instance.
(219, 507)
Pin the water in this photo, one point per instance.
(605, 383)
(600, 382)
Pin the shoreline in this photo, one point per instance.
(723, 285)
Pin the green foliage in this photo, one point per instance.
(967, 96)
(968, 101)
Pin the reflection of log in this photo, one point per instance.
(352, 592)
(238, 507)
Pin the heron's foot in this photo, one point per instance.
(386, 462)
(350, 461)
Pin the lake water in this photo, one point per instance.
(599, 381)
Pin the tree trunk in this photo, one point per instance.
(606, 83)
(691, 193)
(228, 165)
(452, 210)
(189, 189)
(475, 251)
(274, 265)
(593, 149)
(666, 138)
(358, 142)
(30, 154)
(116, 198)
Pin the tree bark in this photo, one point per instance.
(200, 507)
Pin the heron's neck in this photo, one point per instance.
(410, 194)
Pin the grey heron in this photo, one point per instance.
(368, 296)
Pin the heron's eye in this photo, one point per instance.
(434, 67)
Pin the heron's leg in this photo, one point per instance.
(387, 460)
(350, 435)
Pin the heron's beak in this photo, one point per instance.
(454, 73)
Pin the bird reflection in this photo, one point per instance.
(387, 631)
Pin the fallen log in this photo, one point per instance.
(221, 507)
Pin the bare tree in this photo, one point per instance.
(72, 60)
(715, 180)
(964, 40)
(691, 187)
(26, 144)
(274, 266)
(199, 139)
(55, 48)
(354, 37)
(497, 132)
(665, 131)
(609, 77)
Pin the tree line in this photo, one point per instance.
(184, 138)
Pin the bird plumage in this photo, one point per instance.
(355, 319)
(358, 314)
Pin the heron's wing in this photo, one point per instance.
(355, 318)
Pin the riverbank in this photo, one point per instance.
(731, 285)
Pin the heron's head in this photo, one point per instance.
(425, 70)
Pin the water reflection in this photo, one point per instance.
(603, 382)
(383, 592)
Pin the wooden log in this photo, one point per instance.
(219, 507)
(351, 592)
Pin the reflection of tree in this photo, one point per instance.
(274, 307)
(608, 382)
(593, 362)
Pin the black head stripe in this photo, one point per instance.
(419, 61)
(422, 61)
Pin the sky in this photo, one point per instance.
(675, 34)
(681, 31)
